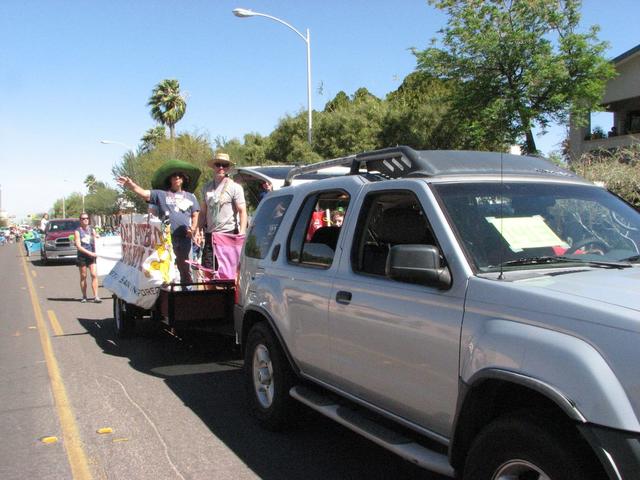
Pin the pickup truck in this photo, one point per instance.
(476, 313)
(58, 243)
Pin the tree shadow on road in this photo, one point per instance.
(205, 372)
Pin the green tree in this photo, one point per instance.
(518, 64)
(420, 114)
(353, 127)
(102, 200)
(152, 137)
(341, 100)
(285, 142)
(90, 182)
(168, 104)
(255, 149)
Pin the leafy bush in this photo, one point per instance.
(617, 169)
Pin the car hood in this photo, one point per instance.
(617, 287)
(59, 234)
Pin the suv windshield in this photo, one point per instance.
(529, 225)
(62, 225)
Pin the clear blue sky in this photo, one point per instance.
(73, 72)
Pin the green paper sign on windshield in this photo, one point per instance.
(526, 232)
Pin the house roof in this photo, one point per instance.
(626, 55)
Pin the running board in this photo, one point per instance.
(383, 436)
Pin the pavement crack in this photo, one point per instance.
(153, 425)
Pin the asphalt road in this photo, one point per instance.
(174, 405)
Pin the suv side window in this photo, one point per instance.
(387, 219)
(314, 235)
(265, 226)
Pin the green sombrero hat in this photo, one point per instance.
(161, 178)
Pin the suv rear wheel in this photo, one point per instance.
(521, 447)
(268, 378)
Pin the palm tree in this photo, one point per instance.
(90, 183)
(167, 104)
(152, 138)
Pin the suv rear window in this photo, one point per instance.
(63, 225)
(314, 236)
(265, 226)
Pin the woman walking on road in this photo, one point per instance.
(85, 238)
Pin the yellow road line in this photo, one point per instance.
(72, 443)
(57, 329)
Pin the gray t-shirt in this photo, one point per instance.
(222, 203)
(177, 207)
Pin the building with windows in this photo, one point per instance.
(622, 99)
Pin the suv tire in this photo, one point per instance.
(521, 447)
(268, 379)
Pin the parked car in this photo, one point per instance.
(476, 313)
(59, 243)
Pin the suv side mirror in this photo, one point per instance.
(417, 264)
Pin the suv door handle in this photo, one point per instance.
(258, 273)
(343, 297)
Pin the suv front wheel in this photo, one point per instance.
(268, 378)
(523, 447)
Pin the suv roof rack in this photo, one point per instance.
(403, 161)
(314, 167)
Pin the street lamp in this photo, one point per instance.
(113, 142)
(244, 13)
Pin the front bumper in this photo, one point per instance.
(60, 254)
(618, 450)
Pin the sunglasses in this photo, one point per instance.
(218, 165)
(84, 218)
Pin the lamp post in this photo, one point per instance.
(244, 13)
(113, 142)
(64, 209)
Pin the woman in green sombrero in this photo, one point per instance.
(172, 185)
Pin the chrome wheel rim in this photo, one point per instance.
(263, 376)
(520, 470)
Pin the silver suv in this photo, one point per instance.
(476, 313)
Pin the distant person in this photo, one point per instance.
(85, 239)
(43, 222)
(27, 237)
(337, 219)
(175, 203)
(265, 189)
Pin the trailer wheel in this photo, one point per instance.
(123, 320)
(268, 379)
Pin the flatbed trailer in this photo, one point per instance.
(203, 306)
